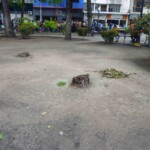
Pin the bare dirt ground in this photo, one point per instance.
(36, 114)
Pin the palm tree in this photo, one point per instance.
(9, 32)
(89, 13)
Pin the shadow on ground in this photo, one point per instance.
(143, 63)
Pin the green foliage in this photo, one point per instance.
(1, 136)
(108, 35)
(54, 2)
(19, 4)
(140, 25)
(148, 7)
(63, 27)
(146, 24)
(113, 73)
(52, 25)
(82, 31)
(36, 26)
(149, 38)
(26, 27)
(61, 83)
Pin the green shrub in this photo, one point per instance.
(63, 27)
(108, 35)
(61, 83)
(51, 25)
(82, 31)
(25, 28)
(36, 26)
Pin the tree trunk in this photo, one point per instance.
(9, 32)
(68, 20)
(22, 8)
(89, 14)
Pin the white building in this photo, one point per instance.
(114, 11)
(135, 8)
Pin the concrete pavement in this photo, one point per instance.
(36, 114)
(96, 37)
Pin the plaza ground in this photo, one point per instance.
(110, 114)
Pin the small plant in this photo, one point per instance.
(63, 27)
(51, 25)
(82, 31)
(61, 83)
(113, 73)
(26, 28)
(108, 35)
(1, 136)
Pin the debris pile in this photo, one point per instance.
(113, 73)
(24, 54)
(81, 80)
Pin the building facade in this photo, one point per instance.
(115, 11)
(57, 11)
(136, 7)
(110, 11)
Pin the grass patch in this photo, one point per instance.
(61, 83)
(113, 73)
(1, 136)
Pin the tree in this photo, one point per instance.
(17, 4)
(68, 17)
(9, 32)
(21, 5)
(140, 25)
(89, 13)
(68, 20)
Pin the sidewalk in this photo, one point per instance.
(94, 38)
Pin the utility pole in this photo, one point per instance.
(40, 10)
(142, 5)
(98, 9)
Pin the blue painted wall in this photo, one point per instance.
(78, 5)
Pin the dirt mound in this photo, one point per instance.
(24, 54)
(81, 80)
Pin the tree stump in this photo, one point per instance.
(81, 80)
(24, 54)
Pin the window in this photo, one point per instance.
(103, 8)
(97, 6)
(114, 8)
(85, 6)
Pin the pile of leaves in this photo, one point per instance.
(24, 54)
(113, 73)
